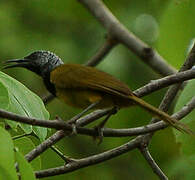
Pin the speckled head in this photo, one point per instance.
(40, 62)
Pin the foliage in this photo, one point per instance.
(67, 29)
(18, 99)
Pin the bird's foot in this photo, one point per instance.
(101, 125)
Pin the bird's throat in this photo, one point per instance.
(50, 87)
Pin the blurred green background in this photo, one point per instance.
(68, 29)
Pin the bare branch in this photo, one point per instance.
(156, 169)
(110, 132)
(188, 108)
(164, 82)
(111, 153)
(109, 44)
(45, 145)
(78, 164)
(118, 31)
(92, 132)
(93, 116)
(172, 91)
(92, 160)
(60, 134)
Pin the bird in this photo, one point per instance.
(86, 87)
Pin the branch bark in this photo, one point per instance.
(156, 169)
(109, 44)
(157, 84)
(81, 163)
(118, 31)
(172, 91)
(92, 160)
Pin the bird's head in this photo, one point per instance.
(40, 62)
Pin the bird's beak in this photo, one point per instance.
(17, 63)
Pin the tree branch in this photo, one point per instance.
(188, 108)
(111, 153)
(156, 169)
(45, 145)
(164, 82)
(92, 160)
(172, 91)
(109, 44)
(108, 132)
(93, 116)
(135, 143)
(118, 31)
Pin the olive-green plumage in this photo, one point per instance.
(81, 86)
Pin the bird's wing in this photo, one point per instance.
(83, 77)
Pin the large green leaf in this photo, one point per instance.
(187, 142)
(176, 31)
(182, 168)
(4, 97)
(25, 169)
(26, 103)
(25, 145)
(7, 169)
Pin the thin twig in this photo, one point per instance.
(164, 82)
(188, 108)
(156, 169)
(45, 145)
(56, 124)
(80, 163)
(117, 30)
(108, 45)
(59, 124)
(89, 118)
(172, 91)
(95, 159)
(61, 155)
(61, 134)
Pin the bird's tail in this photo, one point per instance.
(161, 115)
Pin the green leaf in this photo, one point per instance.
(25, 168)
(26, 103)
(7, 169)
(4, 98)
(187, 142)
(182, 168)
(25, 145)
(176, 31)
